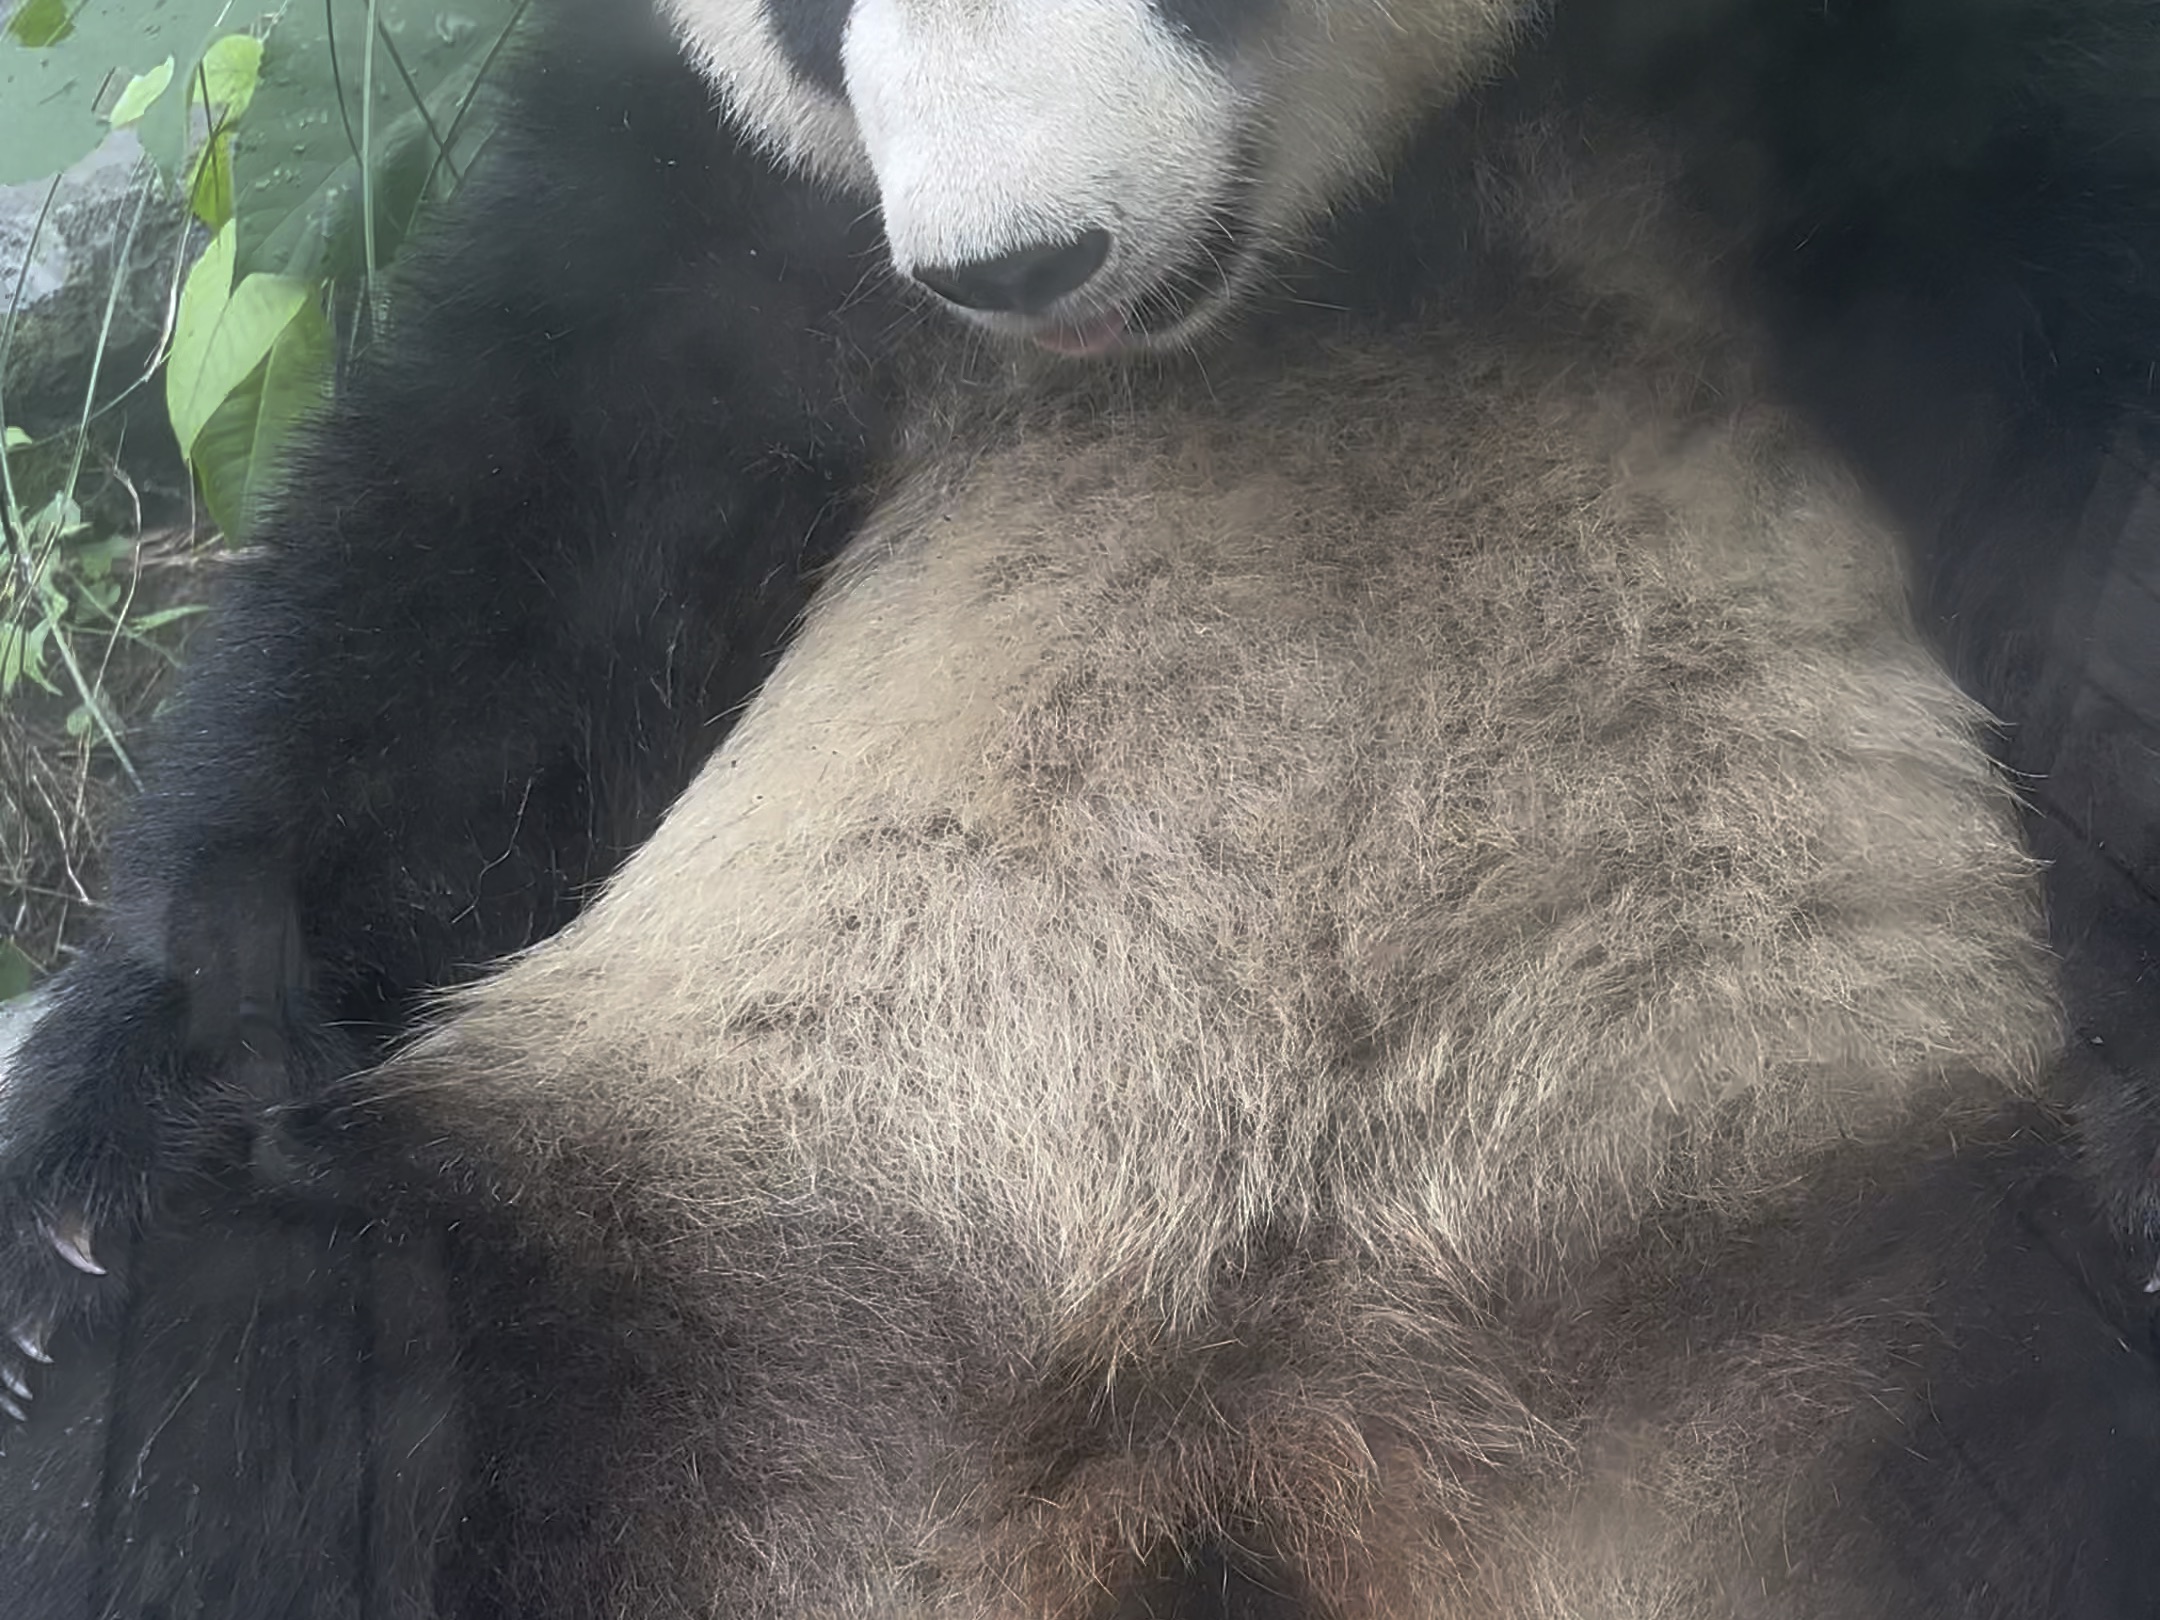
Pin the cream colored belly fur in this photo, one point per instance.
(1268, 927)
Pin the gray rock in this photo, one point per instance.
(57, 264)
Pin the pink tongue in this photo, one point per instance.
(1103, 332)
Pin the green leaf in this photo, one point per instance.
(55, 520)
(18, 970)
(298, 163)
(141, 91)
(22, 657)
(98, 556)
(226, 80)
(225, 83)
(210, 181)
(14, 643)
(203, 297)
(93, 572)
(145, 622)
(260, 309)
(240, 454)
(57, 63)
(42, 22)
(223, 332)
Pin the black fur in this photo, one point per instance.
(810, 34)
(1213, 25)
(539, 553)
(549, 540)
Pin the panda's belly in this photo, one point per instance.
(1447, 800)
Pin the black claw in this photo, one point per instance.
(13, 1409)
(14, 1382)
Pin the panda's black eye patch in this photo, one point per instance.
(1213, 25)
(810, 31)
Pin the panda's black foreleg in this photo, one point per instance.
(543, 546)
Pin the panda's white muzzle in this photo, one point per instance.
(1059, 173)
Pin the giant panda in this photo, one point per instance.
(1361, 962)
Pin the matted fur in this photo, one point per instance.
(1297, 959)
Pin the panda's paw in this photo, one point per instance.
(29, 1334)
(51, 1246)
(80, 1176)
(110, 1116)
(54, 1277)
(73, 1210)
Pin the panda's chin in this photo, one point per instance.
(1102, 335)
(1118, 332)
(1169, 313)
(1166, 301)
(1141, 327)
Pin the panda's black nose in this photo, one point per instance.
(1025, 282)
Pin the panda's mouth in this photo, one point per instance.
(1168, 308)
(1141, 307)
(1102, 334)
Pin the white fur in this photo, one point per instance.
(982, 126)
(997, 127)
